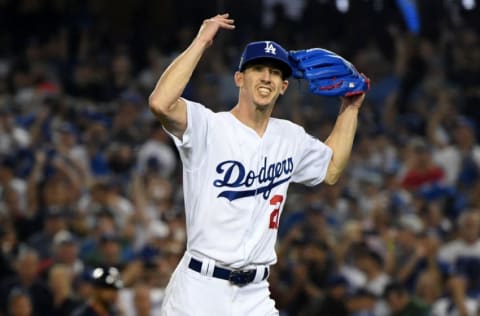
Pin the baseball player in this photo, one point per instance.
(237, 166)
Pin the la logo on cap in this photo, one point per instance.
(269, 48)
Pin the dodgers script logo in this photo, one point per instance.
(269, 48)
(235, 176)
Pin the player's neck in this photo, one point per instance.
(256, 119)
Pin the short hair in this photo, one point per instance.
(25, 252)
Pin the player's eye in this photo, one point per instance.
(276, 72)
(258, 67)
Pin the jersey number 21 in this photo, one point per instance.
(276, 200)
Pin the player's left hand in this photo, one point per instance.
(355, 100)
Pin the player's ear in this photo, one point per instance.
(284, 87)
(238, 77)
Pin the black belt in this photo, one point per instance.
(237, 277)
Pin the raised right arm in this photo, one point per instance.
(165, 101)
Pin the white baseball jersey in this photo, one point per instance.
(235, 183)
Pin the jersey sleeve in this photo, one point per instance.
(192, 145)
(312, 161)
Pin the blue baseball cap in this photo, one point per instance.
(266, 50)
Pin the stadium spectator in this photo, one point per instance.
(401, 303)
(60, 280)
(27, 278)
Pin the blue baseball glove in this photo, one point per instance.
(327, 73)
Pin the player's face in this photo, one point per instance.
(262, 84)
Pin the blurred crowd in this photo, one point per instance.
(89, 178)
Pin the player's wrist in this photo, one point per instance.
(349, 108)
(201, 42)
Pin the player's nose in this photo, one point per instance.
(266, 74)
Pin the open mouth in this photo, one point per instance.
(264, 91)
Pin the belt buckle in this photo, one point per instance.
(240, 278)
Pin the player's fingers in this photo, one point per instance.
(223, 22)
(355, 97)
(353, 100)
(222, 17)
(227, 25)
(361, 97)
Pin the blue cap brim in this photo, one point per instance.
(285, 68)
